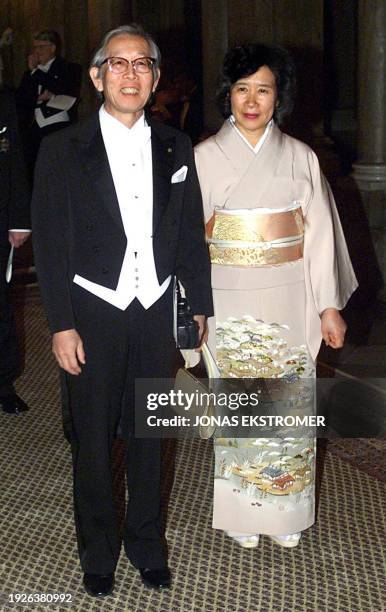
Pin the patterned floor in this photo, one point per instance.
(339, 566)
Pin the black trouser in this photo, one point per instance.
(10, 363)
(119, 346)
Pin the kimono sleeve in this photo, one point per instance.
(328, 270)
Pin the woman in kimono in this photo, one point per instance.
(280, 274)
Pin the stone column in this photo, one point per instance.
(214, 46)
(370, 169)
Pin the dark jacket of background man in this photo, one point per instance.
(14, 215)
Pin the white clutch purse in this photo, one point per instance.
(187, 383)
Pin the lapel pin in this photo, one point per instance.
(170, 150)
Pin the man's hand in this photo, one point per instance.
(333, 328)
(67, 347)
(32, 61)
(18, 238)
(45, 96)
(6, 37)
(202, 330)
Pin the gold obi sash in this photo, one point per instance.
(255, 237)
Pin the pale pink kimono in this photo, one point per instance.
(285, 171)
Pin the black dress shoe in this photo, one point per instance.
(98, 585)
(13, 404)
(156, 578)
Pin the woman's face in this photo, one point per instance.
(253, 102)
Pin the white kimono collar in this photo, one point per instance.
(258, 146)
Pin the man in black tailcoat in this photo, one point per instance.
(117, 212)
(48, 95)
(14, 231)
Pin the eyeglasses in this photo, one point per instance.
(42, 45)
(119, 65)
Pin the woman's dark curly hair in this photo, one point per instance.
(244, 60)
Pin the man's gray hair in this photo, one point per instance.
(133, 29)
(50, 36)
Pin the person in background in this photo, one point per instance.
(280, 274)
(14, 231)
(48, 95)
(176, 104)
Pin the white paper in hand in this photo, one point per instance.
(8, 270)
(61, 102)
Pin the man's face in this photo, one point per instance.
(44, 50)
(125, 94)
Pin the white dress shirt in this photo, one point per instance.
(44, 67)
(130, 159)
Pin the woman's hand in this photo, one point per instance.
(333, 328)
(202, 330)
